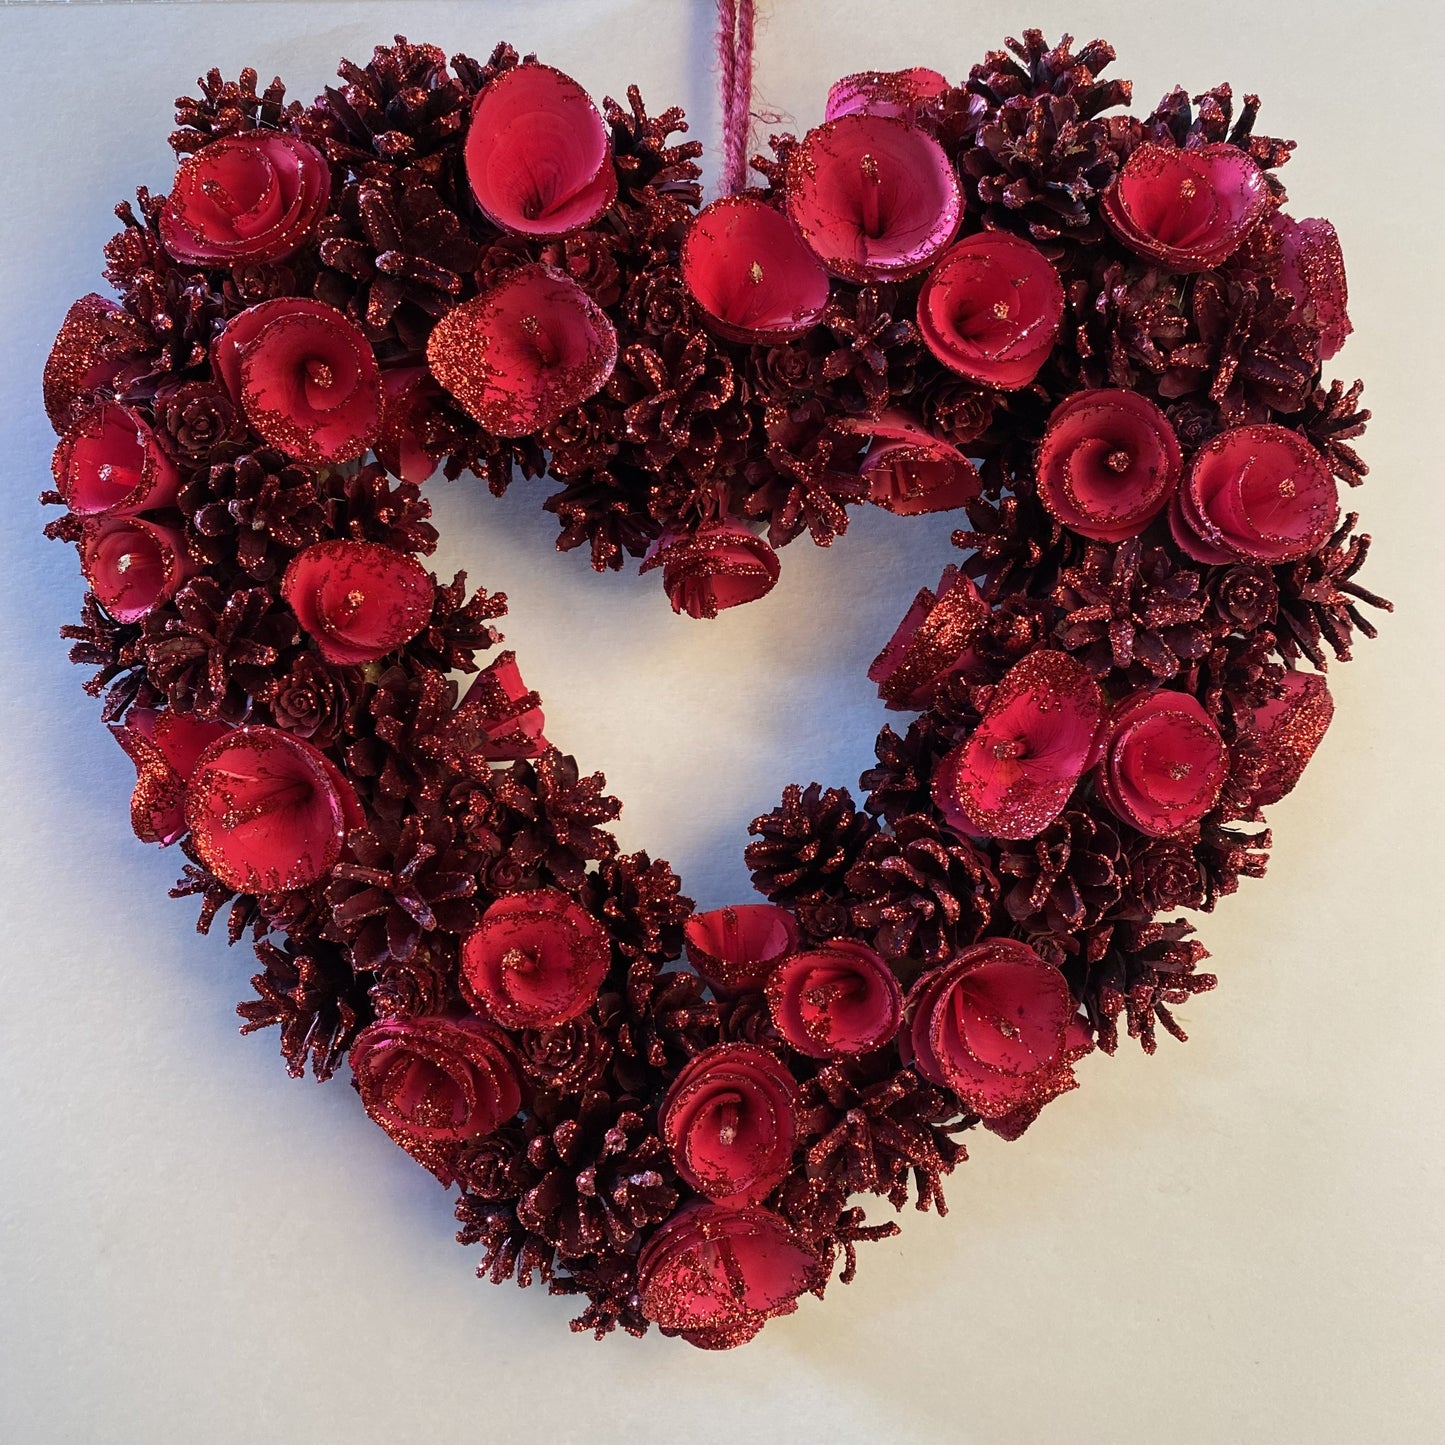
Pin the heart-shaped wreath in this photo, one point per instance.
(1097, 339)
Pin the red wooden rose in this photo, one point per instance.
(730, 1120)
(736, 948)
(840, 998)
(713, 568)
(133, 565)
(111, 464)
(931, 642)
(245, 198)
(358, 600)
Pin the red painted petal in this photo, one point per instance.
(736, 948)
(899, 94)
(358, 600)
(133, 565)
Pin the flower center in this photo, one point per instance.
(536, 333)
(1180, 771)
(1006, 749)
(755, 273)
(729, 1119)
(1286, 486)
(519, 961)
(1118, 461)
(872, 211)
(318, 373)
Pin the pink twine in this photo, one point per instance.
(735, 80)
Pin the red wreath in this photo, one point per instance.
(1096, 340)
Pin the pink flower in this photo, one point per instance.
(990, 310)
(931, 642)
(1038, 736)
(435, 1082)
(875, 198)
(535, 960)
(992, 1025)
(1187, 209)
(245, 199)
(1164, 762)
(132, 565)
(1109, 464)
(909, 470)
(111, 464)
(1290, 728)
(1313, 272)
(527, 350)
(735, 948)
(746, 265)
(269, 813)
(358, 600)
(498, 719)
(1255, 494)
(840, 998)
(729, 1121)
(720, 565)
(97, 350)
(164, 746)
(897, 94)
(305, 376)
(537, 153)
(716, 1275)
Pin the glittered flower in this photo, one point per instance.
(535, 960)
(498, 718)
(245, 199)
(930, 643)
(715, 1274)
(729, 1121)
(132, 565)
(990, 310)
(745, 263)
(1038, 736)
(1108, 465)
(898, 94)
(875, 198)
(358, 600)
(432, 1082)
(305, 376)
(1289, 728)
(909, 470)
(1255, 494)
(404, 444)
(528, 349)
(164, 746)
(1164, 762)
(736, 948)
(719, 565)
(1312, 271)
(992, 1026)
(268, 812)
(1190, 209)
(90, 357)
(111, 464)
(537, 153)
(841, 998)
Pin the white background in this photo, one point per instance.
(1238, 1239)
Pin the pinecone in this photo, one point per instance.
(255, 512)
(607, 511)
(1319, 598)
(1039, 158)
(1329, 419)
(920, 892)
(585, 440)
(402, 107)
(397, 259)
(1164, 874)
(803, 852)
(659, 1020)
(657, 181)
(1228, 854)
(311, 993)
(867, 349)
(459, 627)
(369, 506)
(1132, 608)
(230, 107)
(550, 819)
(599, 1174)
(422, 986)
(868, 1130)
(215, 654)
(958, 411)
(610, 1284)
(199, 423)
(392, 725)
(1127, 322)
(805, 477)
(900, 784)
(680, 405)
(399, 886)
(1014, 545)
(312, 700)
(567, 1058)
(197, 881)
(1138, 970)
(1175, 120)
(642, 904)
(101, 642)
(1063, 881)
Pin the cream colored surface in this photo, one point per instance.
(1237, 1240)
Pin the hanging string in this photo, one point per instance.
(735, 81)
